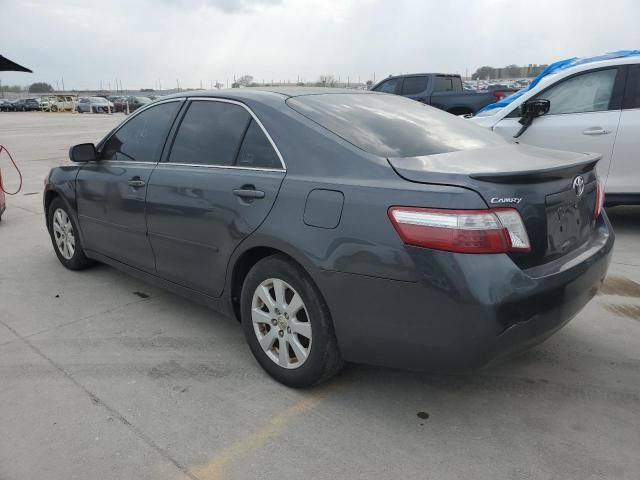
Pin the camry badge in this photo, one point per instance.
(506, 200)
(578, 185)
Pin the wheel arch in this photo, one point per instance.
(242, 264)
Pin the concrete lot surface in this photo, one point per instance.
(105, 377)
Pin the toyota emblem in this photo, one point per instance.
(578, 185)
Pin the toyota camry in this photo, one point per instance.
(339, 226)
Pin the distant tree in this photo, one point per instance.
(254, 84)
(11, 88)
(369, 84)
(219, 85)
(326, 80)
(511, 71)
(40, 87)
(245, 80)
(483, 73)
(235, 85)
(147, 90)
(300, 84)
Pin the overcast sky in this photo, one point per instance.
(142, 42)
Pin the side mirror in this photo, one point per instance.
(535, 108)
(83, 152)
(530, 110)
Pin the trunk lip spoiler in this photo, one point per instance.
(577, 167)
(436, 170)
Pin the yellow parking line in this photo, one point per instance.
(257, 438)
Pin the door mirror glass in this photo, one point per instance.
(535, 108)
(83, 152)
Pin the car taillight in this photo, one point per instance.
(499, 95)
(497, 230)
(599, 198)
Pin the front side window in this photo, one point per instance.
(588, 92)
(210, 134)
(414, 85)
(141, 139)
(388, 87)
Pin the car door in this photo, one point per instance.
(111, 191)
(215, 187)
(583, 116)
(624, 174)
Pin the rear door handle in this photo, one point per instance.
(248, 193)
(136, 182)
(596, 131)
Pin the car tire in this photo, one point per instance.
(64, 237)
(311, 354)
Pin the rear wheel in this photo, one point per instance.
(287, 324)
(65, 238)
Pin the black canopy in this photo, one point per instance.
(7, 65)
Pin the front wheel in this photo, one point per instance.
(65, 238)
(287, 324)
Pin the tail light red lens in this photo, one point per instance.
(599, 198)
(498, 230)
(498, 95)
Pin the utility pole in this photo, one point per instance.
(63, 84)
(178, 83)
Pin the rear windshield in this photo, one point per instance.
(392, 126)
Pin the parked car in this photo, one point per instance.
(5, 105)
(134, 103)
(443, 91)
(593, 107)
(339, 225)
(44, 103)
(27, 105)
(61, 103)
(94, 105)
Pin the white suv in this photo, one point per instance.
(594, 107)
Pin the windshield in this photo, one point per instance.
(392, 126)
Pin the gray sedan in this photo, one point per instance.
(339, 226)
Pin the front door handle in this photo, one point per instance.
(136, 182)
(596, 131)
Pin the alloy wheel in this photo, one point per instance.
(281, 323)
(63, 234)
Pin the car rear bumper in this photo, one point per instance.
(467, 310)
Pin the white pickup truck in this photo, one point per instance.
(593, 107)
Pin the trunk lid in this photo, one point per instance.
(538, 182)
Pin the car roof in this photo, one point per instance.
(264, 93)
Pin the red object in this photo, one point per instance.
(3, 200)
(599, 198)
(3, 204)
(497, 230)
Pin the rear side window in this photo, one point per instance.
(588, 92)
(141, 139)
(445, 84)
(210, 134)
(388, 87)
(414, 85)
(391, 125)
(256, 150)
